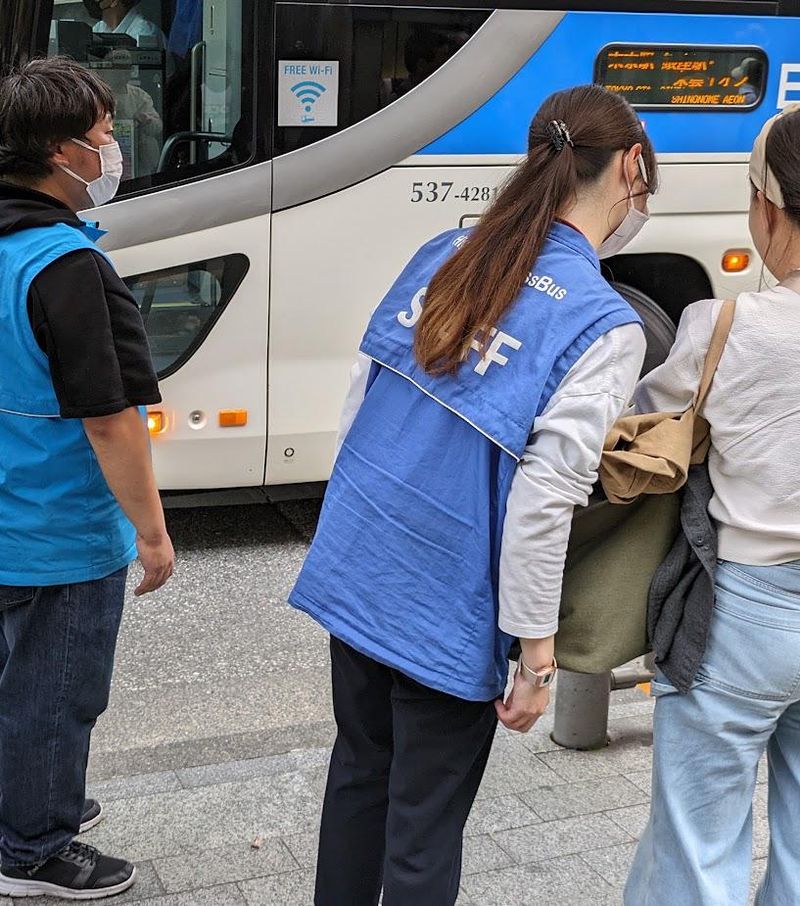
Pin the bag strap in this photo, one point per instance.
(715, 350)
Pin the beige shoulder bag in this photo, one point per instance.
(651, 454)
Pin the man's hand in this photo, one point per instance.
(158, 559)
(525, 704)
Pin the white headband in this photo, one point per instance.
(760, 172)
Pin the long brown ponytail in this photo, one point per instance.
(479, 283)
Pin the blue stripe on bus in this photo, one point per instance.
(567, 58)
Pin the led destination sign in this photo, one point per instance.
(653, 76)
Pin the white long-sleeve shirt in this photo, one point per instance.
(754, 411)
(556, 473)
(138, 27)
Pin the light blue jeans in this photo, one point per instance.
(696, 849)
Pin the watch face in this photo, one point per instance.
(548, 679)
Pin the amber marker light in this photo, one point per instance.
(734, 261)
(232, 418)
(156, 422)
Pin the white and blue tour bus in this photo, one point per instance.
(283, 160)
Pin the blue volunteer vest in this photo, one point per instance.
(404, 565)
(59, 521)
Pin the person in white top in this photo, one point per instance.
(696, 849)
(120, 17)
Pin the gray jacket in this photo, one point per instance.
(681, 597)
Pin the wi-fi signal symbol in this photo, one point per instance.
(308, 93)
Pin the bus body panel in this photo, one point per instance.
(323, 246)
(227, 371)
(319, 311)
(567, 57)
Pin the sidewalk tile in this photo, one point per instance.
(623, 757)
(303, 848)
(513, 768)
(225, 895)
(537, 739)
(759, 867)
(586, 798)
(107, 762)
(568, 836)
(134, 786)
(221, 866)
(612, 863)
(488, 816)
(139, 828)
(557, 882)
(214, 817)
(148, 884)
(642, 779)
(760, 824)
(293, 889)
(642, 708)
(233, 771)
(632, 820)
(483, 854)
(627, 696)
(248, 769)
(633, 730)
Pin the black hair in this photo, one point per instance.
(43, 103)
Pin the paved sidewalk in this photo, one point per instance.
(550, 826)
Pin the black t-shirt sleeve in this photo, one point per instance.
(87, 323)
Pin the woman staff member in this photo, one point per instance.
(746, 697)
(489, 377)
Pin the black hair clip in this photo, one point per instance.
(558, 133)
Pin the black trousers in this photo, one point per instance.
(405, 769)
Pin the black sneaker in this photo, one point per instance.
(78, 872)
(92, 814)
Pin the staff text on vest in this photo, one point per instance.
(493, 350)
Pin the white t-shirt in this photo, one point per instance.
(145, 32)
(753, 408)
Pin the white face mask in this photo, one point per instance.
(104, 188)
(631, 225)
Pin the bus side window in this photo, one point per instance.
(179, 78)
(179, 305)
(382, 53)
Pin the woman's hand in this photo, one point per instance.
(524, 705)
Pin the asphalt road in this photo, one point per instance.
(216, 666)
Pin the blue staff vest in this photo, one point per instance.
(59, 522)
(404, 565)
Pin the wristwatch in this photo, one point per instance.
(538, 678)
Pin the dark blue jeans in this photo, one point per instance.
(56, 657)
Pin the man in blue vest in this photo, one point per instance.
(78, 498)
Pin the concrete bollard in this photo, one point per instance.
(581, 712)
(583, 700)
